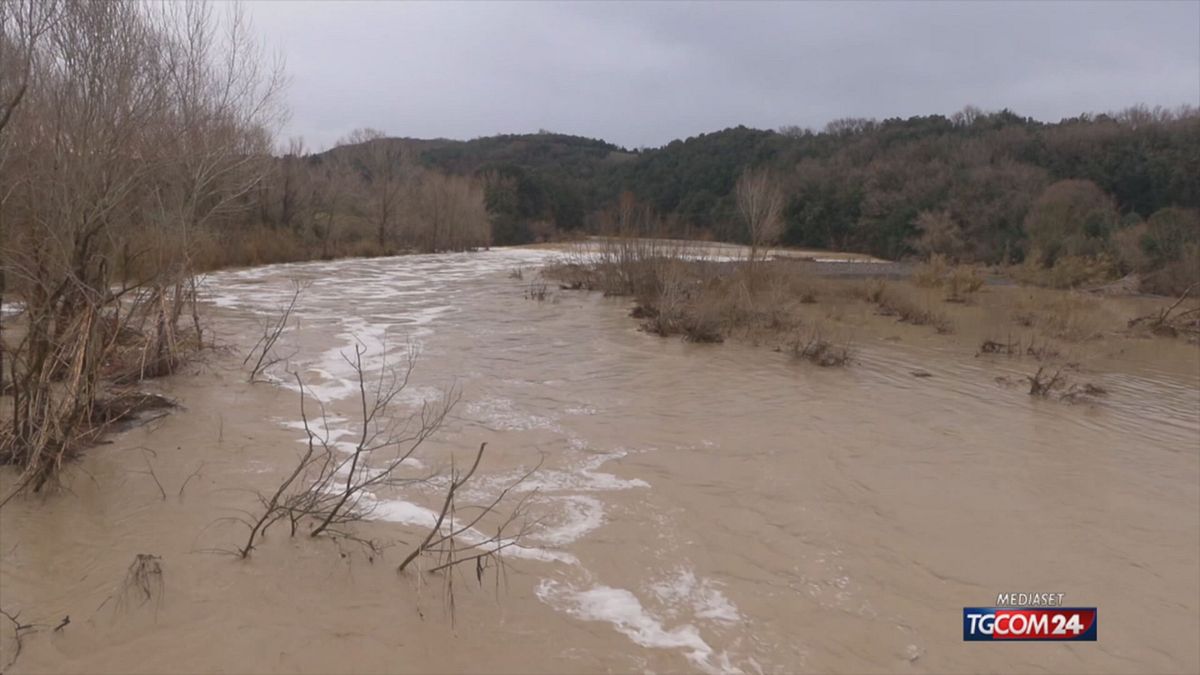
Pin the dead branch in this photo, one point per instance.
(190, 476)
(329, 489)
(150, 470)
(1043, 381)
(19, 630)
(1163, 323)
(263, 351)
(143, 582)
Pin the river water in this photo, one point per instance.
(710, 508)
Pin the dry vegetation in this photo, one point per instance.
(136, 145)
(105, 191)
(330, 488)
(676, 291)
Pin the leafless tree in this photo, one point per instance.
(138, 125)
(23, 23)
(451, 214)
(385, 167)
(760, 203)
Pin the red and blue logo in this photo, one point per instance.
(1029, 623)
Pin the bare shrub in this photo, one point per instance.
(1049, 380)
(1045, 381)
(1083, 393)
(1045, 351)
(814, 348)
(959, 281)
(536, 290)
(702, 326)
(1008, 348)
(892, 301)
(874, 290)
(931, 272)
(329, 489)
(143, 582)
(263, 352)
(1069, 316)
(1066, 272)
(1168, 322)
(940, 234)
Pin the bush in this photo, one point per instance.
(958, 280)
(1067, 271)
(1070, 218)
(1177, 276)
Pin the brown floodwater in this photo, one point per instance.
(714, 508)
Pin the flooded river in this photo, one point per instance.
(712, 508)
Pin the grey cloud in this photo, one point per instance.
(643, 74)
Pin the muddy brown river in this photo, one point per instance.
(712, 508)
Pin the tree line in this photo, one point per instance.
(974, 186)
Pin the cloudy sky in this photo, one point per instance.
(642, 74)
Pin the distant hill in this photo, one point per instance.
(856, 185)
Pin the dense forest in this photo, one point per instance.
(969, 185)
(1120, 192)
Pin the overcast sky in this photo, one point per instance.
(641, 74)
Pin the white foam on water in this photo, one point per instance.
(584, 477)
(502, 414)
(682, 588)
(625, 612)
(572, 517)
(408, 513)
(396, 303)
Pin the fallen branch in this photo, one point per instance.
(1163, 323)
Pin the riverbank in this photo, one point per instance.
(793, 303)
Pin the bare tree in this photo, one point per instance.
(451, 213)
(22, 24)
(760, 203)
(331, 187)
(385, 168)
(138, 125)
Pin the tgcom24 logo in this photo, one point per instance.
(1025, 617)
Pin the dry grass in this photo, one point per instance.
(958, 281)
(711, 301)
(1067, 272)
(1068, 316)
(904, 303)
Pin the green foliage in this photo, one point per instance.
(859, 185)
